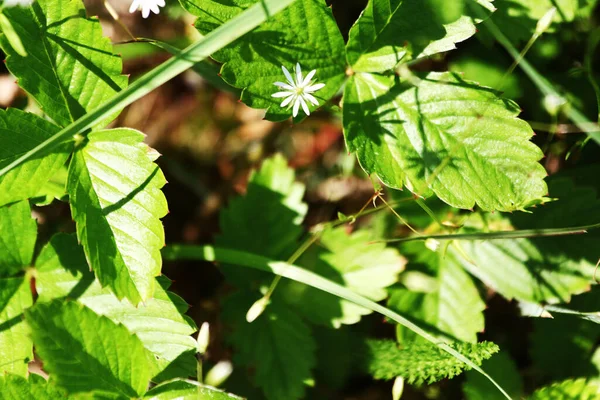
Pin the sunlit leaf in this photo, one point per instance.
(85, 352)
(392, 31)
(16, 349)
(116, 201)
(447, 137)
(304, 33)
(187, 390)
(160, 323)
(453, 306)
(19, 133)
(351, 260)
(35, 387)
(18, 233)
(71, 68)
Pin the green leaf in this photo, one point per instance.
(278, 346)
(304, 33)
(160, 323)
(392, 31)
(54, 189)
(548, 269)
(351, 260)
(85, 352)
(19, 133)
(18, 233)
(70, 69)
(273, 233)
(11, 36)
(504, 370)
(446, 136)
(116, 201)
(187, 390)
(18, 388)
(453, 307)
(16, 349)
(572, 389)
(421, 362)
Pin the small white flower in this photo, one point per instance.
(298, 92)
(12, 3)
(146, 6)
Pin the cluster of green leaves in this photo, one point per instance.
(102, 320)
(438, 135)
(279, 345)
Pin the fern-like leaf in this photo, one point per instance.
(422, 362)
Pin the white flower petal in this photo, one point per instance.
(311, 98)
(288, 76)
(145, 12)
(284, 85)
(304, 106)
(134, 6)
(287, 101)
(309, 77)
(296, 107)
(314, 88)
(298, 75)
(282, 94)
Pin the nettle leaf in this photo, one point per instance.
(549, 269)
(421, 362)
(35, 387)
(85, 352)
(70, 69)
(16, 348)
(18, 233)
(392, 31)
(116, 201)
(304, 33)
(453, 307)
(274, 233)
(351, 260)
(19, 133)
(446, 136)
(571, 389)
(187, 390)
(160, 323)
(504, 371)
(278, 346)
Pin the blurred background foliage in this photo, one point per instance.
(210, 142)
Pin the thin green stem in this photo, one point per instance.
(289, 271)
(305, 246)
(517, 234)
(202, 49)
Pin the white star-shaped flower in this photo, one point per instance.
(297, 92)
(12, 3)
(146, 6)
